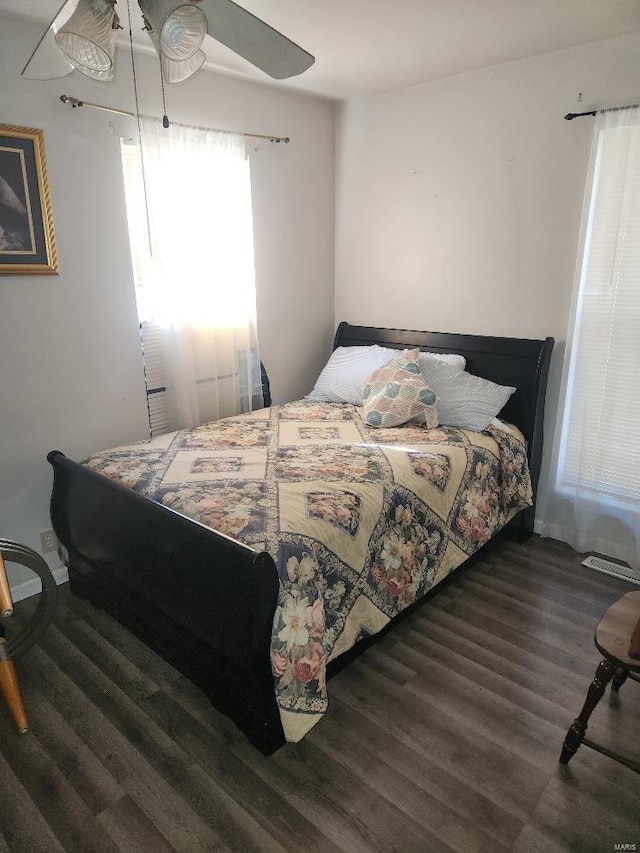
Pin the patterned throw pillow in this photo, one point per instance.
(395, 393)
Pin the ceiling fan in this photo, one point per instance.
(83, 33)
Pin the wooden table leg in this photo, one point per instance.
(10, 689)
(604, 673)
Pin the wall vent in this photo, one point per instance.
(615, 569)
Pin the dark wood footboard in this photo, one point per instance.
(202, 600)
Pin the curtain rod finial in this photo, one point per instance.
(571, 116)
(67, 99)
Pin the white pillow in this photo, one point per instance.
(464, 400)
(341, 378)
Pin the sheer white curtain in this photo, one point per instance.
(596, 500)
(200, 284)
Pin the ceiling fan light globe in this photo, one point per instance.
(88, 39)
(100, 76)
(182, 32)
(86, 56)
(177, 72)
(181, 26)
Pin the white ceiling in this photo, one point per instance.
(366, 47)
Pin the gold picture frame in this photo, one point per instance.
(27, 241)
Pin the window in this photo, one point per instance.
(150, 332)
(191, 234)
(600, 446)
(596, 501)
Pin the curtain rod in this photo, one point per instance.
(75, 102)
(571, 116)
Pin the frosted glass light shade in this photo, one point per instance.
(177, 71)
(88, 39)
(181, 27)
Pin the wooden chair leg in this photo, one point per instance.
(10, 690)
(6, 603)
(619, 678)
(604, 673)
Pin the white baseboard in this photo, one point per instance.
(32, 587)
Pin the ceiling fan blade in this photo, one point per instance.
(47, 61)
(254, 40)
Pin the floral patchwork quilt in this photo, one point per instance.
(360, 521)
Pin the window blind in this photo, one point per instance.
(600, 449)
(155, 377)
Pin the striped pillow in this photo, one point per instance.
(341, 378)
(464, 400)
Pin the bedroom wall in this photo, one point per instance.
(458, 203)
(70, 375)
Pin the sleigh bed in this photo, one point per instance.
(257, 553)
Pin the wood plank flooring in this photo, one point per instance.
(443, 736)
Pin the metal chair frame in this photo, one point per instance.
(10, 650)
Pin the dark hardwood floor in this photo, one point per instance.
(444, 736)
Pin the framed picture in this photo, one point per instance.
(27, 242)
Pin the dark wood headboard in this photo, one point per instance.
(519, 362)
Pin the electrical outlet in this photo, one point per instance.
(48, 541)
